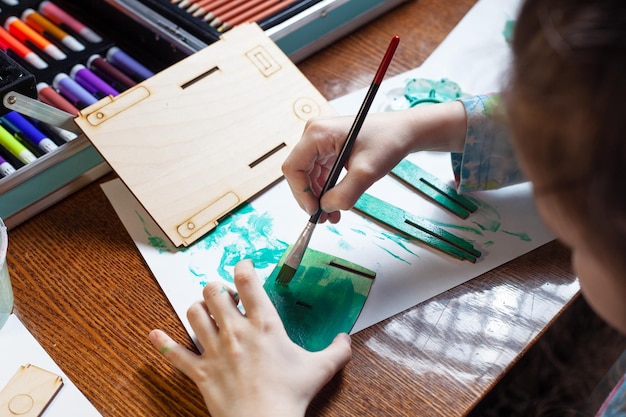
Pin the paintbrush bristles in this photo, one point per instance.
(293, 260)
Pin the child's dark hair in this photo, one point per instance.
(566, 109)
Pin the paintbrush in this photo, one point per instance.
(293, 260)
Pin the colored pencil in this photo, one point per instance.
(256, 13)
(292, 261)
(238, 8)
(206, 6)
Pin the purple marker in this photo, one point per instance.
(73, 91)
(5, 167)
(129, 65)
(109, 73)
(91, 82)
(26, 130)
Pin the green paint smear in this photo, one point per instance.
(156, 242)
(509, 29)
(522, 236)
(490, 222)
(244, 234)
(321, 301)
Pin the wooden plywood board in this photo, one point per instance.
(203, 136)
(29, 392)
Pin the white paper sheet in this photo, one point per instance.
(18, 347)
(505, 227)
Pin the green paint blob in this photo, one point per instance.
(509, 29)
(324, 298)
(420, 91)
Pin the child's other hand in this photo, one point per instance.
(249, 366)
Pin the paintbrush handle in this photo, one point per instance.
(356, 125)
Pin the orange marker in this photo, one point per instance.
(43, 25)
(8, 42)
(25, 33)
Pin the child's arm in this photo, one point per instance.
(384, 140)
(249, 366)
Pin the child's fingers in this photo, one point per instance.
(181, 358)
(201, 322)
(220, 301)
(253, 296)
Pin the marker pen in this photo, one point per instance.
(24, 33)
(15, 147)
(129, 65)
(43, 25)
(61, 17)
(73, 91)
(5, 167)
(25, 129)
(8, 42)
(91, 82)
(109, 73)
(50, 96)
(57, 132)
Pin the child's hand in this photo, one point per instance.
(249, 366)
(383, 141)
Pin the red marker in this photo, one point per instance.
(61, 17)
(8, 42)
(25, 33)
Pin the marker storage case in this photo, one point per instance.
(157, 34)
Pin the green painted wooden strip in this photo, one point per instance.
(324, 298)
(425, 182)
(414, 227)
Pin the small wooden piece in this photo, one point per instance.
(29, 392)
(420, 229)
(324, 298)
(200, 138)
(435, 189)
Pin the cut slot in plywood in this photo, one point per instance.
(203, 136)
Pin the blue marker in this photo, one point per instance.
(128, 64)
(25, 129)
(5, 167)
(73, 91)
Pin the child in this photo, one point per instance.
(567, 132)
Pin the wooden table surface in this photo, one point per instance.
(83, 290)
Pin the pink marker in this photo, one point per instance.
(25, 33)
(60, 16)
(8, 42)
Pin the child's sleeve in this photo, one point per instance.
(488, 160)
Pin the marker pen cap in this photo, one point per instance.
(25, 33)
(91, 82)
(41, 24)
(73, 91)
(129, 65)
(59, 16)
